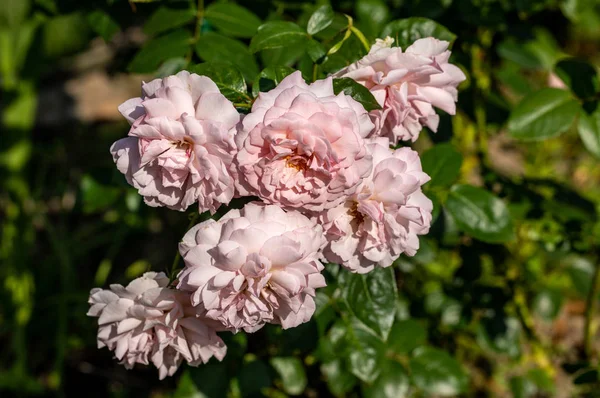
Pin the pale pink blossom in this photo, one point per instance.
(180, 144)
(386, 215)
(407, 85)
(146, 321)
(254, 266)
(302, 146)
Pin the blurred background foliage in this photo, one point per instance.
(501, 299)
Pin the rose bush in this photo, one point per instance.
(383, 198)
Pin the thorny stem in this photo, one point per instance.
(590, 309)
(172, 274)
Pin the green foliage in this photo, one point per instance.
(277, 34)
(406, 31)
(501, 299)
(358, 92)
(480, 214)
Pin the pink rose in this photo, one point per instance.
(302, 146)
(180, 144)
(146, 320)
(407, 85)
(254, 266)
(382, 220)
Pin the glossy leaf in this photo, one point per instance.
(436, 373)
(158, 50)
(442, 163)
(357, 91)
(165, 18)
(544, 114)
(365, 352)
(232, 19)
(547, 304)
(320, 19)
(480, 214)
(292, 374)
(393, 382)
(371, 297)
(405, 336)
(213, 47)
(269, 78)
(589, 131)
(339, 380)
(229, 79)
(277, 34)
(406, 31)
(316, 51)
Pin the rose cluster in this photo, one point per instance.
(331, 189)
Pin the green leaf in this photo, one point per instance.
(213, 47)
(210, 381)
(516, 52)
(95, 196)
(547, 304)
(545, 113)
(254, 376)
(269, 78)
(339, 380)
(406, 31)
(277, 34)
(164, 19)
(357, 91)
(320, 19)
(437, 373)
(65, 34)
(442, 163)
(580, 271)
(186, 388)
(14, 12)
(371, 14)
(393, 382)
(283, 56)
(156, 51)
(500, 334)
(103, 24)
(171, 66)
(405, 336)
(227, 78)
(364, 351)
(480, 214)
(292, 374)
(232, 19)
(316, 51)
(589, 131)
(371, 297)
(579, 76)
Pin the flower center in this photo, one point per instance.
(185, 145)
(355, 214)
(296, 162)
